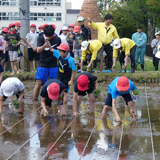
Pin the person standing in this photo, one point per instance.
(32, 46)
(86, 30)
(106, 33)
(13, 40)
(140, 39)
(64, 34)
(154, 45)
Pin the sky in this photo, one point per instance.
(76, 4)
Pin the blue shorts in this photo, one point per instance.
(4, 56)
(43, 73)
(1, 69)
(127, 97)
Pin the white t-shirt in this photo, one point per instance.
(63, 38)
(32, 39)
(18, 85)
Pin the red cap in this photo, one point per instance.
(54, 26)
(11, 25)
(44, 25)
(77, 28)
(123, 83)
(33, 25)
(5, 30)
(41, 26)
(71, 25)
(83, 82)
(53, 91)
(63, 46)
(17, 24)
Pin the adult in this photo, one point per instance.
(94, 49)
(85, 83)
(106, 33)
(128, 47)
(86, 30)
(64, 34)
(140, 39)
(12, 86)
(154, 44)
(47, 63)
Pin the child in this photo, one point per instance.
(2, 42)
(51, 90)
(64, 34)
(32, 46)
(78, 39)
(120, 86)
(85, 82)
(67, 69)
(12, 86)
(11, 37)
(69, 39)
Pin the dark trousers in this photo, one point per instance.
(155, 62)
(109, 57)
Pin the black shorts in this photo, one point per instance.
(33, 55)
(17, 96)
(64, 81)
(4, 56)
(127, 97)
(83, 93)
(48, 102)
(20, 54)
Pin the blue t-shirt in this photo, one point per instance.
(112, 89)
(66, 65)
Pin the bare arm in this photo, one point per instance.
(72, 78)
(1, 103)
(74, 45)
(75, 96)
(41, 48)
(114, 61)
(29, 44)
(115, 110)
(43, 104)
(21, 96)
(5, 44)
(96, 84)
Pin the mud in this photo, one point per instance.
(88, 136)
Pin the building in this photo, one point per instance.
(41, 11)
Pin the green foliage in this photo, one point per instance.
(16, 103)
(61, 97)
(14, 41)
(97, 92)
(84, 67)
(78, 58)
(135, 92)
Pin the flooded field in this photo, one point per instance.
(86, 137)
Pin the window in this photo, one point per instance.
(45, 16)
(9, 15)
(10, 2)
(45, 2)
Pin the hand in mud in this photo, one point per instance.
(46, 113)
(75, 114)
(118, 119)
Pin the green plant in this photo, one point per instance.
(84, 67)
(135, 92)
(114, 67)
(14, 41)
(61, 97)
(78, 58)
(16, 103)
(97, 91)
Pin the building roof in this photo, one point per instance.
(73, 11)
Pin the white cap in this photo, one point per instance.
(157, 33)
(80, 19)
(8, 88)
(116, 43)
(84, 45)
(64, 28)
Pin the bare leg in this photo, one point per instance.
(12, 66)
(92, 102)
(1, 76)
(21, 108)
(106, 108)
(31, 65)
(18, 60)
(3, 63)
(79, 99)
(132, 110)
(62, 110)
(17, 68)
(36, 90)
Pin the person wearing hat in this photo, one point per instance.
(67, 68)
(51, 91)
(40, 28)
(4, 56)
(106, 33)
(12, 86)
(48, 63)
(128, 47)
(12, 48)
(120, 86)
(32, 46)
(94, 49)
(154, 45)
(140, 38)
(64, 34)
(84, 83)
(69, 39)
(86, 30)
(77, 40)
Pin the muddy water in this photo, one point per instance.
(101, 139)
